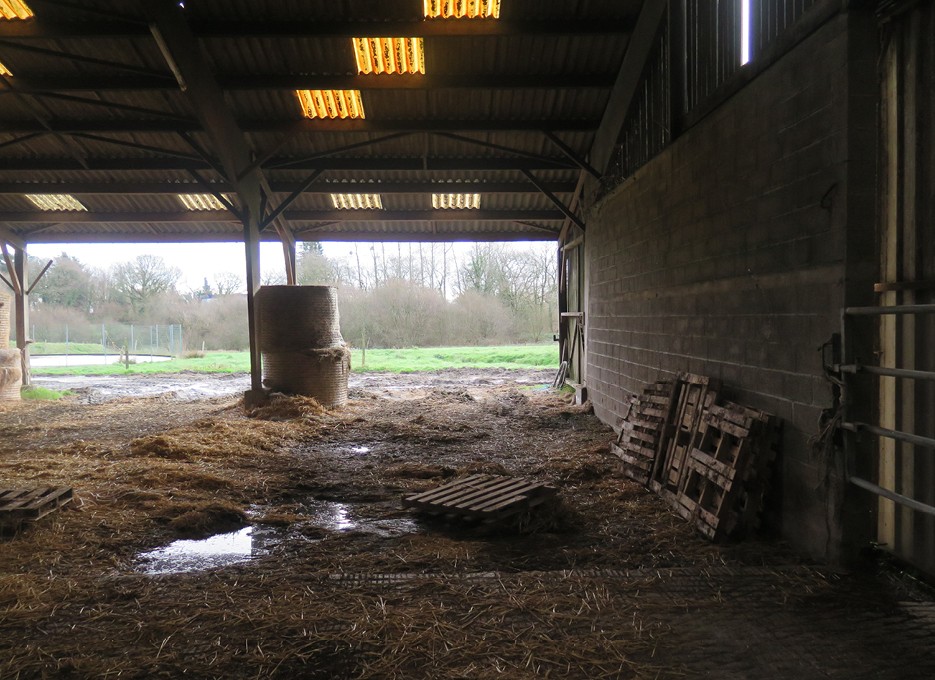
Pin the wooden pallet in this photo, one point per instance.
(483, 497)
(28, 505)
(641, 430)
(692, 395)
(727, 475)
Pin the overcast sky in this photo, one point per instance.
(196, 261)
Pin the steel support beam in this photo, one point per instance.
(566, 211)
(638, 49)
(183, 56)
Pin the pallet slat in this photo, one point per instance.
(19, 505)
(490, 498)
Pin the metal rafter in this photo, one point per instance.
(490, 145)
(270, 164)
(374, 164)
(39, 112)
(80, 58)
(278, 81)
(554, 199)
(45, 28)
(311, 125)
(323, 233)
(175, 187)
(572, 155)
(210, 216)
(634, 59)
(113, 106)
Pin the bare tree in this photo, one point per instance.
(228, 283)
(137, 282)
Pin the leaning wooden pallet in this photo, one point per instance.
(692, 394)
(727, 474)
(641, 430)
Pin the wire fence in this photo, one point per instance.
(155, 340)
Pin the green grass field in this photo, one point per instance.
(377, 360)
(69, 348)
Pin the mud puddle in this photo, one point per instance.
(318, 520)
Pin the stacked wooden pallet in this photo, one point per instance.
(711, 462)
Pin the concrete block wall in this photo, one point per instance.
(726, 256)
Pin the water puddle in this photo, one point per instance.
(236, 547)
(220, 550)
(344, 517)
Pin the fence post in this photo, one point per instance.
(181, 344)
(66, 344)
(104, 342)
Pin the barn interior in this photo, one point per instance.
(738, 190)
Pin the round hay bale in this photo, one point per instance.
(5, 306)
(296, 318)
(11, 374)
(300, 340)
(319, 373)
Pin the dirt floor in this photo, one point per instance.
(324, 575)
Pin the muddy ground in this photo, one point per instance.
(338, 581)
(189, 386)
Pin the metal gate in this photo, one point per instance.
(902, 456)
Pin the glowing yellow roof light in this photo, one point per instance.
(55, 202)
(331, 103)
(14, 9)
(357, 201)
(389, 55)
(462, 9)
(201, 202)
(456, 201)
(4, 71)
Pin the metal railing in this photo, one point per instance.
(853, 368)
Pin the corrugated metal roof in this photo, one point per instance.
(96, 104)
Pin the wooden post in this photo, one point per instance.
(288, 251)
(22, 311)
(251, 237)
